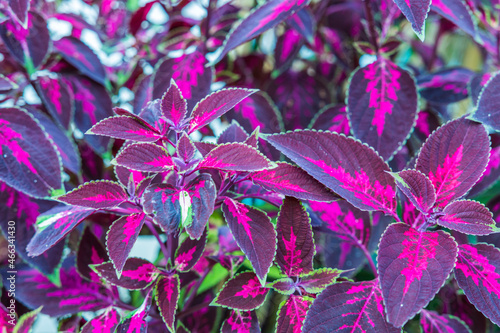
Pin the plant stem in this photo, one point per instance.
(157, 236)
(371, 24)
(211, 6)
(195, 288)
(193, 309)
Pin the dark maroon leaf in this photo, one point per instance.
(174, 106)
(458, 12)
(90, 252)
(54, 225)
(126, 128)
(189, 252)
(233, 133)
(235, 157)
(382, 106)
(185, 148)
(254, 233)
(56, 97)
(242, 292)
(121, 237)
(105, 323)
(147, 157)
(140, 16)
(413, 265)
(469, 217)
(432, 322)
(417, 188)
(445, 86)
(316, 281)
(241, 322)
(96, 194)
(488, 105)
(416, 12)
(136, 274)
(28, 159)
(166, 293)
(331, 118)
(292, 313)
(296, 248)
(349, 306)
(293, 181)
(478, 273)
(82, 57)
(453, 158)
(263, 18)
(286, 286)
(362, 181)
(287, 47)
(20, 9)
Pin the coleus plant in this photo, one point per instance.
(299, 165)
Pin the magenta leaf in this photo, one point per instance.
(285, 286)
(126, 128)
(90, 252)
(174, 106)
(458, 12)
(487, 110)
(241, 322)
(215, 105)
(233, 133)
(469, 217)
(189, 252)
(296, 248)
(290, 180)
(29, 161)
(96, 194)
(416, 12)
(331, 118)
(105, 323)
(235, 157)
(53, 225)
(454, 157)
(121, 237)
(147, 157)
(166, 293)
(263, 18)
(445, 86)
(242, 292)
(350, 307)
(413, 266)
(316, 281)
(25, 322)
(478, 273)
(382, 106)
(432, 322)
(135, 321)
(185, 148)
(20, 10)
(292, 313)
(363, 182)
(253, 231)
(136, 274)
(82, 57)
(417, 187)
(57, 97)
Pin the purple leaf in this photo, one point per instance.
(488, 104)
(185, 148)
(304, 22)
(362, 181)
(469, 217)
(417, 188)
(457, 12)
(54, 225)
(254, 233)
(413, 266)
(263, 18)
(490, 175)
(189, 252)
(121, 237)
(445, 86)
(6, 84)
(292, 313)
(382, 106)
(202, 194)
(233, 133)
(166, 293)
(90, 252)
(285, 286)
(174, 106)
(316, 281)
(350, 307)
(105, 323)
(96, 194)
(163, 200)
(296, 248)
(136, 274)
(82, 57)
(215, 105)
(416, 12)
(57, 97)
(147, 157)
(478, 273)
(290, 180)
(20, 9)
(454, 157)
(242, 292)
(287, 47)
(204, 147)
(241, 322)
(25, 322)
(28, 159)
(477, 84)
(235, 157)
(189, 73)
(126, 128)
(331, 118)
(135, 321)
(432, 322)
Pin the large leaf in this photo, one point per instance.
(242, 292)
(235, 157)
(166, 293)
(416, 12)
(318, 280)
(458, 12)
(382, 106)
(189, 252)
(163, 201)
(352, 170)
(292, 313)
(433, 322)
(96, 194)
(147, 157)
(490, 175)
(28, 159)
(331, 118)
(296, 248)
(202, 195)
(478, 273)
(488, 106)
(469, 217)
(445, 86)
(253, 231)
(413, 265)
(350, 307)
(454, 157)
(57, 98)
(20, 10)
(174, 106)
(417, 188)
(126, 128)
(136, 274)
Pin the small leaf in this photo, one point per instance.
(235, 157)
(331, 118)
(25, 322)
(292, 313)
(90, 252)
(417, 187)
(233, 133)
(147, 157)
(416, 12)
(126, 128)
(96, 194)
(166, 293)
(105, 323)
(285, 286)
(189, 252)
(173, 105)
(432, 322)
(469, 217)
(136, 274)
(241, 322)
(318, 280)
(242, 292)
(185, 148)
(57, 97)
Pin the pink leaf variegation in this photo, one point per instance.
(242, 322)
(147, 157)
(469, 217)
(136, 274)
(126, 128)
(242, 292)
(174, 106)
(235, 157)
(105, 323)
(166, 293)
(189, 252)
(292, 313)
(417, 188)
(433, 322)
(96, 194)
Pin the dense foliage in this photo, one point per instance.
(300, 165)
